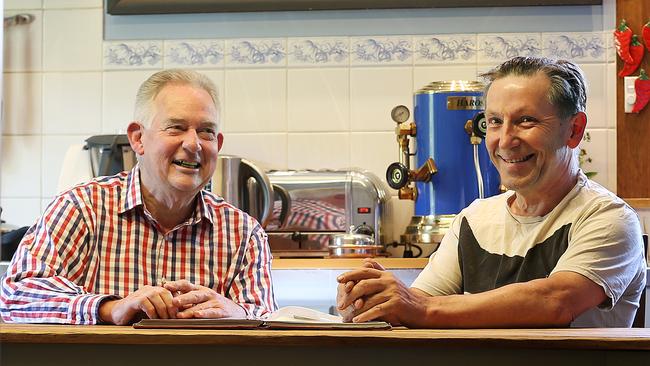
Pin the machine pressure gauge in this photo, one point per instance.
(400, 114)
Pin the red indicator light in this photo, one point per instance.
(363, 210)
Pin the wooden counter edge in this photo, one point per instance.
(614, 339)
(346, 263)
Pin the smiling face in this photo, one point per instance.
(178, 151)
(528, 143)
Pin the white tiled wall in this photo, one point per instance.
(287, 103)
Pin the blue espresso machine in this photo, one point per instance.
(454, 166)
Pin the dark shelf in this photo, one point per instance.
(128, 7)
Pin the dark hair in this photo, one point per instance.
(568, 90)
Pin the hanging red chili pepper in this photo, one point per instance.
(622, 39)
(645, 32)
(636, 51)
(642, 89)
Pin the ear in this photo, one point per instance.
(134, 133)
(578, 125)
(219, 140)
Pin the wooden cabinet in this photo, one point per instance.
(633, 130)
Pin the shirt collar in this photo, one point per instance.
(133, 198)
(131, 186)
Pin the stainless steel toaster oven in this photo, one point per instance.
(313, 205)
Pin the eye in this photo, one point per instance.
(494, 122)
(174, 128)
(527, 121)
(207, 133)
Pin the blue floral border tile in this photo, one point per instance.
(444, 49)
(318, 51)
(500, 47)
(397, 50)
(133, 55)
(256, 52)
(579, 47)
(195, 53)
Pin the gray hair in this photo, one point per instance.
(156, 82)
(568, 90)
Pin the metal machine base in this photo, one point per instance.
(426, 231)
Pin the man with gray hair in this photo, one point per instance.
(556, 249)
(149, 242)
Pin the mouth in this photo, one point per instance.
(517, 160)
(187, 164)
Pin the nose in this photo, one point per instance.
(191, 141)
(508, 136)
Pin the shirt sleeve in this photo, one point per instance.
(606, 247)
(39, 285)
(252, 288)
(442, 275)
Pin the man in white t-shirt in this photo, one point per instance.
(555, 250)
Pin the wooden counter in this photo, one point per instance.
(104, 345)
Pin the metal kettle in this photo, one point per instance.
(238, 181)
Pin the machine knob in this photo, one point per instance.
(397, 175)
(479, 125)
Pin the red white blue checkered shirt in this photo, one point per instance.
(97, 240)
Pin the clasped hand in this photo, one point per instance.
(371, 293)
(175, 299)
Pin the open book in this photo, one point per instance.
(288, 317)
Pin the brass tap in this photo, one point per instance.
(424, 173)
(408, 193)
(468, 127)
(473, 138)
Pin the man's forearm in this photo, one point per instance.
(56, 308)
(515, 305)
(537, 303)
(46, 299)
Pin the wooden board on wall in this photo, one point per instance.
(633, 130)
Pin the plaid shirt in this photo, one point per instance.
(97, 241)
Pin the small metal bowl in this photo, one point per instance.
(354, 251)
(353, 245)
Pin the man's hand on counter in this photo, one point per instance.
(196, 301)
(154, 302)
(174, 299)
(371, 293)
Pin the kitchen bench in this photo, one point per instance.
(110, 345)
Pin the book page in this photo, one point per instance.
(301, 314)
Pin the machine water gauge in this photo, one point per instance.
(400, 114)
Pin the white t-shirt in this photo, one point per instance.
(591, 232)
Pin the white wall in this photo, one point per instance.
(285, 110)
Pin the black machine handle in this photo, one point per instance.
(285, 198)
(251, 170)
